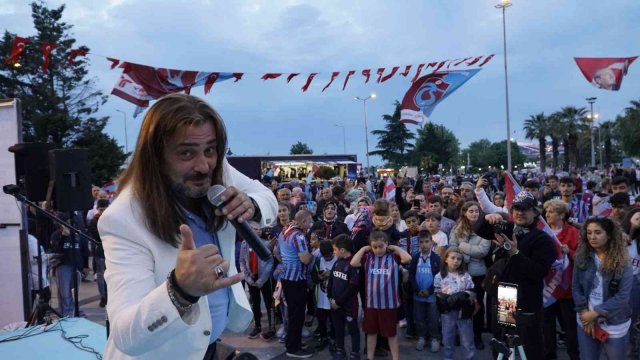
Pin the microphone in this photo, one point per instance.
(245, 231)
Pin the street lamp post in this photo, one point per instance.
(126, 137)
(366, 130)
(591, 100)
(503, 5)
(600, 144)
(344, 138)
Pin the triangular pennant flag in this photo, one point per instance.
(366, 73)
(418, 70)
(486, 60)
(346, 79)
(406, 71)
(309, 80)
(461, 61)
(237, 76)
(211, 79)
(114, 62)
(390, 75)
(475, 60)
(73, 53)
(268, 76)
(291, 76)
(333, 77)
(379, 72)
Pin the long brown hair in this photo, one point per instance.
(463, 227)
(616, 248)
(146, 176)
(444, 268)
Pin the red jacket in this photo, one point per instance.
(569, 236)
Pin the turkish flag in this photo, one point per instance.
(73, 53)
(16, 51)
(46, 55)
(605, 73)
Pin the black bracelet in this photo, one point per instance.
(257, 215)
(174, 284)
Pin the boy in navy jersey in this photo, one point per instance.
(342, 291)
(409, 243)
(380, 263)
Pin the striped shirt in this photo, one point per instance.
(292, 242)
(381, 283)
(409, 243)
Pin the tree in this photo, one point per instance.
(435, 145)
(629, 129)
(536, 128)
(55, 105)
(300, 148)
(555, 132)
(393, 142)
(499, 150)
(480, 154)
(326, 173)
(572, 120)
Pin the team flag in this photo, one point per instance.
(558, 278)
(605, 73)
(389, 190)
(428, 91)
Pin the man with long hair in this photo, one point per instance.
(167, 249)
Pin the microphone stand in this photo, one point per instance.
(14, 191)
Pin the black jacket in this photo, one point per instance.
(343, 285)
(527, 269)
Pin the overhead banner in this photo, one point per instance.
(605, 73)
(428, 91)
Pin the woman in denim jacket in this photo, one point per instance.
(602, 280)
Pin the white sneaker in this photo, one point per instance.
(420, 344)
(435, 345)
(403, 323)
(305, 333)
(280, 331)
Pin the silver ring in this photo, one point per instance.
(219, 272)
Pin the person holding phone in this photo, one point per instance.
(602, 281)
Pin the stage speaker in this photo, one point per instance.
(32, 169)
(71, 179)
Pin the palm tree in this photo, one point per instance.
(536, 128)
(572, 125)
(554, 129)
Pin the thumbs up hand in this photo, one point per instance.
(195, 272)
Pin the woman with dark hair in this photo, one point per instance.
(474, 248)
(602, 280)
(631, 227)
(283, 219)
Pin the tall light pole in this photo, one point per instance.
(366, 130)
(503, 5)
(344, 139)
(126, 137)
(600, 143)
(591, 100)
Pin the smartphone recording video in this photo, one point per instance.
(507, 305)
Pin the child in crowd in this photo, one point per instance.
(409, 243)
(455, 299)
(342, 291)
(380, 262)
(258, 277)
(280, 302)
(320, 273)
(440, 239)
(425, 265)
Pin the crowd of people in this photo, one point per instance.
(430, 259)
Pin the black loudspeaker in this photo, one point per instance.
(32, 169)
(71, 179)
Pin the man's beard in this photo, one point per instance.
(189, 192)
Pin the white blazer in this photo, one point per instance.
(144, 322)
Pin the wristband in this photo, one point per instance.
(257, 215)
(174, 285)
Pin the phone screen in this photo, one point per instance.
(507, 305)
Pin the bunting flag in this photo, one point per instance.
(605, 73)
(208, 83)
(366, 73)
(333, 77)
(73, 53)
(114, 62)
(47, 48)
(309, 80)
(17, 49)
(389, 190)
(389, 75)
(558, 277)
(291, 76)
(379, 72)
(237, 77)
(418, 70)
(268, 76)
(406, 71)
(346, 79)
(428, 91)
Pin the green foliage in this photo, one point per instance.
(435, 145)
(536, 127)
(393, 141)
(300, 148)
(57, 106)
(483, 153)
(629, 129)
(326, 173)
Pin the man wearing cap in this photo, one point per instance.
(525, 261)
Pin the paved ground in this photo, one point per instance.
(89, 304)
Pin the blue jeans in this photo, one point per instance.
(451, 323)
(65, 285)
(426, 318)
(613, 349)
(635, 317)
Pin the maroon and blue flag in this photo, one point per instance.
(428, 91)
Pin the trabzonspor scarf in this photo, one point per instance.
(382, 223)
(363, 221)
